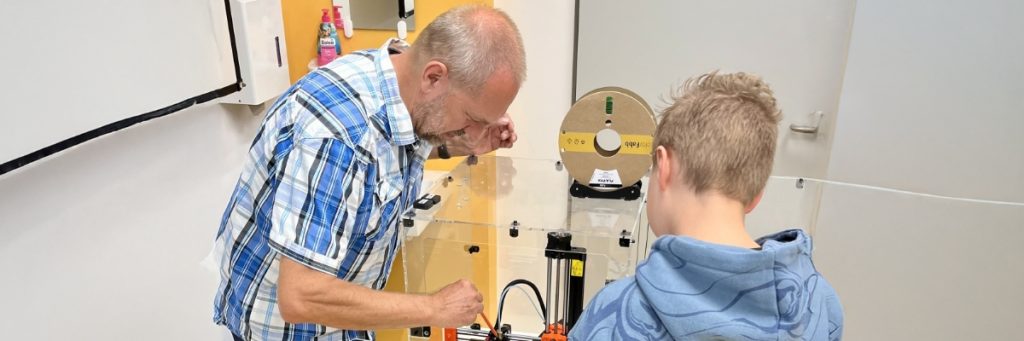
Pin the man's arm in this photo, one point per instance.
(309, 296)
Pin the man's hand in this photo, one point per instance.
(501, 134)
(457, 304)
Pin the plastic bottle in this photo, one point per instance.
(326, 43)
(339, 26)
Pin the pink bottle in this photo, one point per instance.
(339, 26)
(326, 44)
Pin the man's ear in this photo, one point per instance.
(435, 78)
(753, 203)
(663, 167)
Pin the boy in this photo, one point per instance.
(706, 277)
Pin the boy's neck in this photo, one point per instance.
(713, 218)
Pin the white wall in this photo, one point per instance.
(103, 241)
(913, 268)
(932, 99)
(547, 30)
(798, 46)
(931, 103)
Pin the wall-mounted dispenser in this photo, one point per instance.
(262, 57)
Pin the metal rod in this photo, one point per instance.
(558, 287)
(473, 334)
(547, 299)
(565, 312)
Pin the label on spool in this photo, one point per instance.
(606, 178)
(580, 142)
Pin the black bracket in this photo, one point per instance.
(631, 192)
(427, 201)
(419, 332)
(624, 239)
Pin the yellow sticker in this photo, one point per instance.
(576, 268)
(578, 142)
(636, 144)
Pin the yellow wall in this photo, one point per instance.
(301, 21)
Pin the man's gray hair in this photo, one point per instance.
(473, 41)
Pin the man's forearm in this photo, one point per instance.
(307, 295)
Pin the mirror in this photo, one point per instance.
(381, 15)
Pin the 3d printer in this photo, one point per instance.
(513, 223)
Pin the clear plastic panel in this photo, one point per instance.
(470, 235)
(490, 258)
(500, 191)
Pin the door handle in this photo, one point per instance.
(811, 128)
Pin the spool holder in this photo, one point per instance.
(628, 193)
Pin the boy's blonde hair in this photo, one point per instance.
(722, 129)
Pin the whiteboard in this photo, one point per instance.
(69, 67)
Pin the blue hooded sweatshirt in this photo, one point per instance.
(693, 290)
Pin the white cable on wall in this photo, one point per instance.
(899, 191)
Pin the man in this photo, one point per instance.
(310, 233)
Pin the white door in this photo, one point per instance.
(799, 47)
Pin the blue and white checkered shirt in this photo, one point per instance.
(332, 168)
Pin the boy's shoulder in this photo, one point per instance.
(616, 293)
(606, 315)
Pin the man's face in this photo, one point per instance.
(456, 115)
(429, 119)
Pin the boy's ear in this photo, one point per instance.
(753, 203)
(663, 167)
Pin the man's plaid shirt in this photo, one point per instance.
(332, 168)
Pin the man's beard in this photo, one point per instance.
(428, 121)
